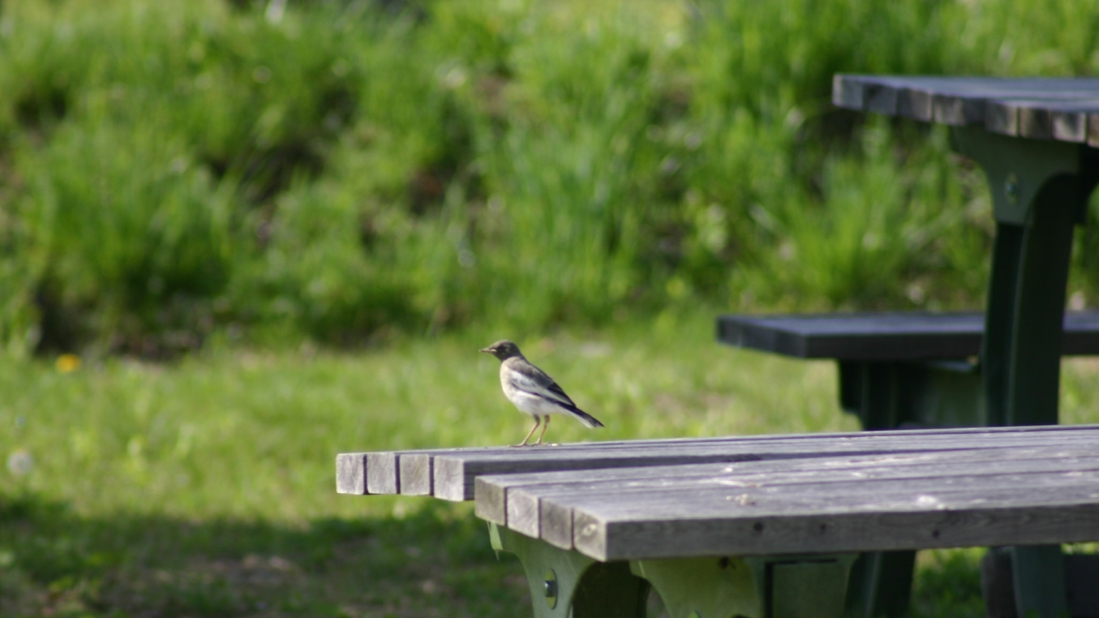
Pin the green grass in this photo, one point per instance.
(206, 487)
(172, 172)
(322, 217)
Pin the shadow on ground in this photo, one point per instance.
(56, 563)
(431, 562)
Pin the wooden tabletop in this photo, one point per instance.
(926, 489)
(762, 495)
(1063, 109)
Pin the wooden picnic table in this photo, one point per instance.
(1036, 140)
(770, 526)
(762, 526)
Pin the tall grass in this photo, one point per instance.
(347, 170)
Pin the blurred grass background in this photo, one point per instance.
(274, 231)
(344, 170)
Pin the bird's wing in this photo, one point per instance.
(528, 378)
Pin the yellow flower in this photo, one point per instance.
(68, 362)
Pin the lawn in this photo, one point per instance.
(205, 487)
(204, 185)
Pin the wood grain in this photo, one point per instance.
(450, 473)
(926, 506)
(533, 507)
(864, 491)
(1060, 109)
(514, 500)
(351, 473)
(381, 473)
(1064, 514)
(456, 476)
(1041, 119)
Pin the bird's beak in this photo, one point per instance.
(487, 350)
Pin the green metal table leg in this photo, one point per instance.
(704, 587)
(757, 587)
(1039, 577)
(1040, 191)
(881, 584)
(567, 584)
(892, 394)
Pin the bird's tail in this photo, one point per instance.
(585, 418)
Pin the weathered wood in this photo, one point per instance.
(1038, 108)
(454, 476)
(1041, 119)
(885, 336)
(454, 472)
(866, 491)
(551, 519)
(351, 473)
(919, 514)
(414, 471)
(415, 476)
(556, 509)
(515, 500)
(381, 473)
(386, 471)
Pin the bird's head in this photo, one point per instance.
(503, 349)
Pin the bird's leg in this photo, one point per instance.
(545, 426)
(537, 421)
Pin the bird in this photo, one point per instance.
(533, 391)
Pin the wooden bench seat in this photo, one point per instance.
(898, 369)
(906, 336)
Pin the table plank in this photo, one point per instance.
(885, 336)
(450, 473)
(713, 524)
(516, 500)
(369, 473)
(1065, 121)
(1013, 494)
(979, 100)
(351, 473)
(455, 475)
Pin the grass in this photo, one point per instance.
(344, 171)
(266, 197)
(205, 487)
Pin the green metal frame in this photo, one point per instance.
(1040, 191)
(568, 584)
(565, 583)
(892, 394)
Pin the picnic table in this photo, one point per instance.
(761, 526)
(1036, 141)
(773, 526)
